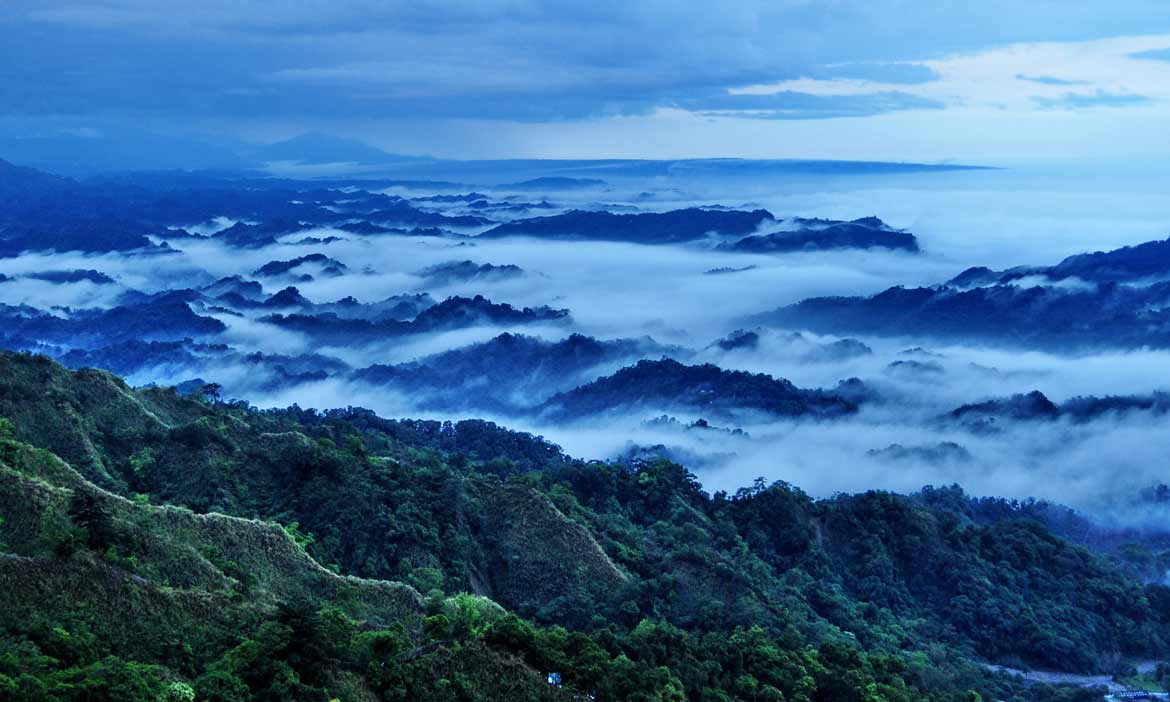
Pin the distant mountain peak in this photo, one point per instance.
(319, 148)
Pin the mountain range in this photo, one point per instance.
(1104, 299)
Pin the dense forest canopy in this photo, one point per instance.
(167, 547)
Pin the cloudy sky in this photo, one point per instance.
(929, 80)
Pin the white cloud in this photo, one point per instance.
(999, 78)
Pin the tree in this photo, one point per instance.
(88, 515)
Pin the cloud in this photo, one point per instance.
(1153, 55)
(797, 105)
(1078, 101)
(1006, 78)
(1050, 80)
(998, 218)
(1087, 466)
(549, 60)
(1056, 461)
(551, 78)
(892, 72)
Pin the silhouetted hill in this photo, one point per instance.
(1148, 262)
(1110, 315)
(554, 183)
(453, 272)
(163, 317)
(996, 413)
(672, 227)
(665, 384)
(510, 374)
(813, 235)
(1118, 302)
(318, 148)
(325, 265)
(452, 313)
(41, 212)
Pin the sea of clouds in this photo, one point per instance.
(614, 290)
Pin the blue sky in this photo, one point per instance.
(931, 80)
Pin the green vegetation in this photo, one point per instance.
(157, 547)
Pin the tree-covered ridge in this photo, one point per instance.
(510, 373)
(666, 383)
(818, 234)
(1112, 299)
(633, 584)
(107, 598)
(671, 227)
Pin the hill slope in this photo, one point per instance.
(631, 583)
(107, 598)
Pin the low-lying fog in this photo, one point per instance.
(615, 290)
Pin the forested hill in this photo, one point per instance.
(165, 547)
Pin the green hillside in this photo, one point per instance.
(164, 547)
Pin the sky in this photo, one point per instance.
(998, 81)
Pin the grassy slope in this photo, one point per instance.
(164, 583)
(215, 459)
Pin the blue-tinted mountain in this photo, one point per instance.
(988, 415)
(839, 350)
(809, 349)
(80, 156)
(1129, 547)
(286, 298)
(20, 184)
(240, 295)
(236, 284)
(819, 234)
(452, 272)
(452, 198)
(405, 306)
(1108, 315)
(317, 148)
(492, 207)
(996, 413)
(914, 369)
(129, 153)
(1144, 262)
(178, 315)
(940, 453)
(728, 270)
(244, 235)
(165, 317)
(327, 266)
(554, 183)
(40, 212)
(511, 373)
(1104, 299)
(264, 372)
(668, 384)
(452, 313)
(676, 226)
(401, 212)
(77, 275)
(738, 339)
(455, 312)
(366, 228)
